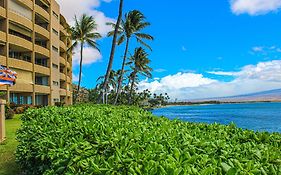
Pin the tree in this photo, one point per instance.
(131, 26)
(112, 53)
(84, 33)
(140, 66)
(111, 85)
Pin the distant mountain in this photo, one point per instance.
(272, 95)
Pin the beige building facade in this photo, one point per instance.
(34, 42)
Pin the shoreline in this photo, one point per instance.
(215, 103)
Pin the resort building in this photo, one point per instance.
(33, 43)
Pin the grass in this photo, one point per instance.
(8, 165)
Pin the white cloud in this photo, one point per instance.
(90, 56)
(70, 8)
(251, 78)
(257, 49)
(75, 78)
(175, 82)
(254, 7)
(266, 71)
(223, 73)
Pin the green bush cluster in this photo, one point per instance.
(95, 139)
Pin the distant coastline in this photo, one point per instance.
(174, 104)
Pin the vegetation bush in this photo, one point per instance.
(59, 104)
(9, 112)
(19, 110)
(99, 139)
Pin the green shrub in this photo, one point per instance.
(126, 140)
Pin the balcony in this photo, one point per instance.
(63, 30)
(62, 61)
(18, 41)
(41, 69)
(27, 3)
(42, 89)
(68, 80)
(3, 12)
(41, 11)
(20, 20)
(22, 87)
(68, 65)
(69, 93)
(20, 64)
(62, 46)
(42, 31)
(41, 50)
(62, 92)
(3, 36)
(62, 76)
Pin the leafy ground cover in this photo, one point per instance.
(8, 166)
(94, 139)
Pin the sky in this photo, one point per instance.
(201, 49)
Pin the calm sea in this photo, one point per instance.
(253, 116)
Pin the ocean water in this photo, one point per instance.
(252, 116)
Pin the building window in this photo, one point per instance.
(55, 49)
(20, 99)
(19, 56)
(55, 66)
(55, 83)
(55, 32)
(41, 61)
(56, 100)
(18, 34)
(41, 43)
(44, 81)
(41, 100)
(55, 15)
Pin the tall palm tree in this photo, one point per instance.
(83, 33)
(139, 66)
(112, 81)
(111, 85)
(112, 53)
(130, 27)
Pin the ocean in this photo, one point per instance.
(252, 116)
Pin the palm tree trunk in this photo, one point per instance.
(131, 88)
(120, 80)
(112, 53)
(80, 72)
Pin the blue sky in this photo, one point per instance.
(201, 49)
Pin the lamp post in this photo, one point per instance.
(2, 121)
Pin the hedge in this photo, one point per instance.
(97, 139)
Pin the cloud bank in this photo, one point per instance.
(254, 7)
(251, 78)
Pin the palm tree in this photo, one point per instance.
(112, 81)
(131, 26)
(112, 84)
(84, 33)
(112, 53)
(139, 66)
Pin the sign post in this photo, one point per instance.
(2, 121)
